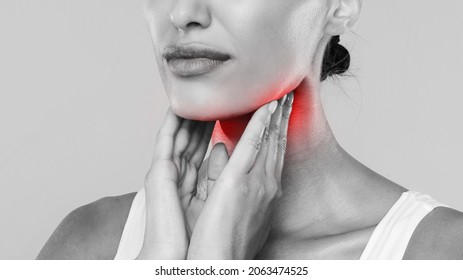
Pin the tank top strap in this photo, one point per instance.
(134, 230)
(392, 234)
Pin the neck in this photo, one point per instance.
(312, 158)
(307, 128)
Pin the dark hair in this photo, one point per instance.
(336, 59)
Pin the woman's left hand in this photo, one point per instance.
(235, 220)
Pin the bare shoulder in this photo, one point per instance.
(438, 236)
(92, 231)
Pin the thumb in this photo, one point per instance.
(217, 161)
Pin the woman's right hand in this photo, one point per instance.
(170, 185)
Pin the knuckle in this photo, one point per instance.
(274, 129)
(177, 161)
(255, 183)
(255, 143)
(266, 134)
(244, 189)
(261, 190)
(259, 184)
(186, 155)
(191, 166)
(272, 187)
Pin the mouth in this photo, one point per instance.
(191, 61)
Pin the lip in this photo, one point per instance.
(193, 66)
(190, 60)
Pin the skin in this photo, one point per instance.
(327, 204)
(250, 79)
(235, 219)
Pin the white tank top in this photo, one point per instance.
(388, 241)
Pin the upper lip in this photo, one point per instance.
(189, 52)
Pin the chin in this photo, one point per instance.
(203, 112)
(192, 112)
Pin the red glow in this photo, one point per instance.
(299, 130)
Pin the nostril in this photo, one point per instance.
(193, 24)
(190, 25)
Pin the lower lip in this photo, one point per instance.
(194, 66)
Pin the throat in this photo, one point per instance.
(307, 127)
(229, 131)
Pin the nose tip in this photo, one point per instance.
(188, 14)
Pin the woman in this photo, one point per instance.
(275, 185)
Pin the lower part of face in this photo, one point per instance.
(271, 45)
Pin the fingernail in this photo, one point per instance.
(272, 106)
(283, 99)
(290, 98)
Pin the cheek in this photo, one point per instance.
(275, 45)
(269, 65)
(305, 33)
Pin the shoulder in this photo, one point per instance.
(438, 236)
(92, 231)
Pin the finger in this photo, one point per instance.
(190, 180)
(201, 188)
(260, 164)
(195, 207)
(274, 134)
(165, 136)
(218, 159)
(187, 183)
(286, 113)
(195, 139)
(200, 151)
(183, 136)
(262, 154)
(245, 153)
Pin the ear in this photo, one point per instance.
(342, 16)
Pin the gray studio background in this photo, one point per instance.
(81, 102)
